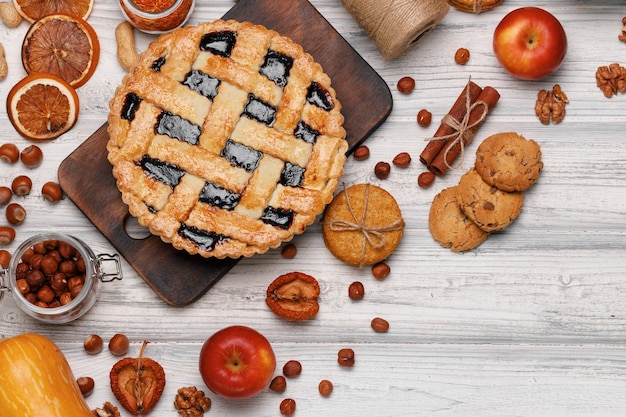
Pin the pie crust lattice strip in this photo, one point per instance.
(226, 139)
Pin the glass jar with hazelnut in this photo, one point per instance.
(55, 277)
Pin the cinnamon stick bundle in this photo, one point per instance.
(444, 160)
(458, 111)
(458, 127)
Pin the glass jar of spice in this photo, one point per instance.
(156, 16)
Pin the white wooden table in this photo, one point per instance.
(532, 323)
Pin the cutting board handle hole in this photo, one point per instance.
(134, 230)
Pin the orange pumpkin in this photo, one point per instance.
(36, 380)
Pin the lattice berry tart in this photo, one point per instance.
(226, 139)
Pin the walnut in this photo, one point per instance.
(191, 402)
(550, 105)
(107, 410)
(622, 35)
(611, 79)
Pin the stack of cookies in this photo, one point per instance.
(489, 196)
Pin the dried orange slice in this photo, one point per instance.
(42, 106)
(62, 45)
(32, 10)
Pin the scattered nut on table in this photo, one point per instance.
(191, 402)
(550, 105)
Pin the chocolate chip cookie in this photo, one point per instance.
(450, 226)
(509, 161)
(486, 205)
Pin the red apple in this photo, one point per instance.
(237, 362)
(530, 43)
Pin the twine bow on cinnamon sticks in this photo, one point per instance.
(374, 236)
(458, 127)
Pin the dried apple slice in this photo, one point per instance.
(294, 296)
(137, 383)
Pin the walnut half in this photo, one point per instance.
(191, 402)
(550, 105)
(611, 79)
(107, 410)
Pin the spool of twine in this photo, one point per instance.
(394, 25)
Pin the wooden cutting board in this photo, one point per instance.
(178, 278)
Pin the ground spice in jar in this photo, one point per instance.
(156, 16)
(153, 6)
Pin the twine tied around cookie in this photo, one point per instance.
(462, 129)
(374, 236)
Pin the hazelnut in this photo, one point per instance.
(278, 384)
(32, 156)
(287, 406)
(461, 56)
(424, 117)
(54, 254)
(5, 258)
(35, 261)
(86, 385)
(382, 170)
(9, 153)
(58, 283)
(15, 214)
(425, 179)
(35, 279)
(45, 294)
(345, 357)
(21, 270)
(7, 235)
(361, 153)
(380, 325)
(118, 345)
(28, 253)
(402, 160)
(356, 291)
(49, 265)
(325, 388)
(289, 251)
(380, 270)
(292, 368)
(40, 248)
(68, 267)
(50, 244)
(73, 282)
(75, 290)
(93, 344)
(21, 185)
(52, 191)
(66, 250)
(5, 195)
(65, 298)
(22, 286)
(406, 85)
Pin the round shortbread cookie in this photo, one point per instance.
(362, 225)
(450, 227)
(509, 161)
(486, 205)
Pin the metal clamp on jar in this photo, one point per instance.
(56, 278)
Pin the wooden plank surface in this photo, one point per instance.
(530, 324)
